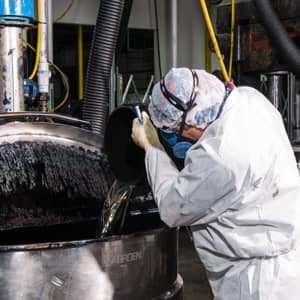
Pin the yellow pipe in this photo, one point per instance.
(231, 38)
(206, 43)
(214, 40)
(80, 63)
(38, 47)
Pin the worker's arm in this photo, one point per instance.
(195, 195)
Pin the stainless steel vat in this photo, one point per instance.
(66, 262)
(140, 266)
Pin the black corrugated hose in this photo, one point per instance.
(278, 35)
(97, 87)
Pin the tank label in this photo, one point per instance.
(120, 259)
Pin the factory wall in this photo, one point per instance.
(81, 12)
(190, 34)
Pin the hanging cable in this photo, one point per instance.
(66, 81)
(231, 38)
(65, 11)
(63, 75)
(38, 47)
(157, 38)
(214, 40)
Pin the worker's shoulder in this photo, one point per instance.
(252, 95)
(248, 90)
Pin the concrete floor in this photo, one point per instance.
(196, 286)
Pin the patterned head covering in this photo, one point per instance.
(179, 81)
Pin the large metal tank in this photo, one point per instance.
(138, 266)
(65, 260)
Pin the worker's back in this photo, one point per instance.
(248, 242)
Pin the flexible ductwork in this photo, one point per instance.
(105, 36)
(277, 34)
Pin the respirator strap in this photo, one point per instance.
(175, 101)
(191, 102)
(179, 104)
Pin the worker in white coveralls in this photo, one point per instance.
(239, 190)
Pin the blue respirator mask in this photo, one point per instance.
(176, 141)
(178, 144)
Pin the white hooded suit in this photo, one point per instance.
(240, 193)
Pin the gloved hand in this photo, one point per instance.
(144, 135)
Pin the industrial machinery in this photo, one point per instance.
(266, 53)
(55, 180)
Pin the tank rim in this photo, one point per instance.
(78, 243)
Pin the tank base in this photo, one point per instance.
(140, 266)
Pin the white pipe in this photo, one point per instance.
(174, 28)
(50, 29)
(43, 71)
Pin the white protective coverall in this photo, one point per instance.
(240, 193)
